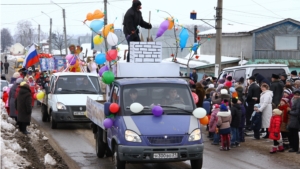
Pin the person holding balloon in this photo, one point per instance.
(132, 19)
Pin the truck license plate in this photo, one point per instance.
(165, 155)
(78, 113)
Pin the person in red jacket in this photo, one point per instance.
(274, 130)
(5, 96)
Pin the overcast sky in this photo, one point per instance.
(252, 13)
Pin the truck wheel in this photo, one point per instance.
(44, 113)
(100, 145)
(53, 123)
(197, 164)
(117, 163)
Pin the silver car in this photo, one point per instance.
(3, 83)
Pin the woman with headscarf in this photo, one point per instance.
(11, 99)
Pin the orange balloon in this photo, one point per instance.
(89, 17)
(98, 14)
(204, 120)
(171, 21)
(234, 94)
(108, 28)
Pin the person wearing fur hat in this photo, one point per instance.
(216, 98)
(236, 114)
(224, 120)
(256, 121)
(274, 130)
(285, 108)
(209, 90)
(213, 124)
(294, 123)
(277, 88)
(11, 99)
(294, 76)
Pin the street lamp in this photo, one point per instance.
(50, 33)
(65, 29)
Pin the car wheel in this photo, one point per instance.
(197, 164)
(117, 163)
(53, 123)
(100, 145)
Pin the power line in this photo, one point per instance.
(253, 13)
(266, 9)
(240, 23)
(64, 3)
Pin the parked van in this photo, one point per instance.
(246, 71)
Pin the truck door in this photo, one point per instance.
(114, 98)
(51, 91)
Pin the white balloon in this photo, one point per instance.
(199, 113)
(136, 107)
(112, 39)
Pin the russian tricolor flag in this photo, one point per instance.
(31, 57)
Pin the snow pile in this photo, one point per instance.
(45, 138)
(10, 147)
(49, 159)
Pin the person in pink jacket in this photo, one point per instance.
(213, 124)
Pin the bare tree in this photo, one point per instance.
(58, 40)
(6, 39)
(25, 34)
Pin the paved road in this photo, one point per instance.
(76, 142)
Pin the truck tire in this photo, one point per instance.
(53, 123)
(100, 145)
(44, 113)
(197, 164)
(117, 163)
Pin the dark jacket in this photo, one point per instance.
(256, 121)
(6, 65)
(195, 77)
(253, 91)
(243, 116)
(236, 114)
(23, 104)
(133, 18)
(240, 89)
(200, 93)
(260, 79)
(277, 88)
(11, 100)
(294, 115)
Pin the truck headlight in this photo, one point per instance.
(195, 135)
(132, 136)
(60, 106)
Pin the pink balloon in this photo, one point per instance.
(162, 28)
(69, 56)
(195, 97)
(111, 55)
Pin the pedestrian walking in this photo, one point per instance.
(256, 121)
(293, 124)
(224, 120)
(6, 66)
(11, 98)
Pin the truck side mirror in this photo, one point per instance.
(47, 89)
(106, 108)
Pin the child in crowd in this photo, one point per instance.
(256, 121)
(5, 95)
(242, 123)
(224, 120)
(236, 114)
(274, 131)
(287, 93)
(285, 108)
(213, 124)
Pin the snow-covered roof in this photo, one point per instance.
(230, 29)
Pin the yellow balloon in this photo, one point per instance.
(98, 39)
(40, 95)
(108, 28)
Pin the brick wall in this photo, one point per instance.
(145, 52)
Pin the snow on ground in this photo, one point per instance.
(48, 159)
(10, 149)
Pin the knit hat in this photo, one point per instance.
(257, 105)
(19, 80)
(277, 111)
(287, 91)
(211, 86)
(294, 72)
(4, 88)
(16, 75)
(224, 91)
(223, 107)
(286, 100)
(234, 100)
(221, 81)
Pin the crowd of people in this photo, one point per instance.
(19, 95)
(267, 108)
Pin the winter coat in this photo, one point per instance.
(256, 121)
(294, 115)
(11, 100)
(132, 19)
(253, 91)
(213, 120)
(277, 88)
(266, 107)
(284, 117)
(4, 96)
(240, 89)
(23, 104)
(195, 77)
(236, 114)
(260, 79)
(207, 106)
(209, 90)
(243, 116)
(216, 99)
(201, 93)
(224, 119)
(274, 128)
(228, 84)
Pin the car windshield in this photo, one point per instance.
(77, 85)
(3, 84)
(174, 98)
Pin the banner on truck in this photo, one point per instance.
(60, 64)
(47, 64)
(95, 112)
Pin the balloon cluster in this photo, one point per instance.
(200, 114)
(113, 109)
(74, 63)
(167, 24)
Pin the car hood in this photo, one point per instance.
(76, 100)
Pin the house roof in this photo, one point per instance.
(275, 24)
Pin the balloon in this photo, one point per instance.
(112, 39)
(69, 56)
(111, 55)
(157, 111)
(34, 96)
(100, 58)
(96, 25)
(40, 95)
(136, 107)
(195, 47)
(89, 17)
(162, 28)
(108, 28)
(108, 123)
(108, 77)
(98, 39)
(183, 36)
(114, 108)
(102, 70)
(195, 97)
(199, 113)
(204, 120)
(171, 23)
(98, 14)
(73, 60)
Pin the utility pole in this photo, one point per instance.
(195, 34)
(65, 31)
(50, 37)
(105, 21)
(39, 34)
(218, 37)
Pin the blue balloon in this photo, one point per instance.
(195, 47)
(183, 36)
(96, 25)
(100, 58)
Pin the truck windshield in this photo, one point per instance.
(174, 98)
(77, 85)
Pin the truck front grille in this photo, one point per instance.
(165, 140)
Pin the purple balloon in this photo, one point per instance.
(108, 123)
(102, 70)
(162, 28)
(72, 60)
(157, 111)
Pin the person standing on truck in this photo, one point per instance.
(277, 88)
(132, 19)
(195, 76)
(251, 99)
